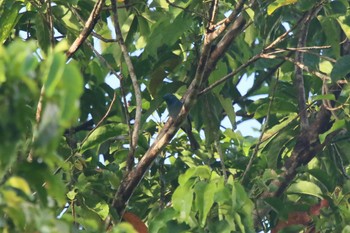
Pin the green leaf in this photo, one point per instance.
(326, 66)
(341, 68)
(306, 188)
(344, 22)
(42, 33)
(72, 85)
(183, 178)
(210, 118)
(2, 72)
(323, 97)
(203, 172)
(346, 229)
(204, 199)
(8, 20)
(182, 200)
(238, 221)
(102, 209)
(229, 109)
(276, 204)
(102, 134)
(338, 124)
(71, 194)
(55, 68)
(124, 227)
(49, 126)
(279, 105)
(161, 219)
(323, 177)
(19, 183)
(277, 4)
(332, 31)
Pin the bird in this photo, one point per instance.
(174, 106)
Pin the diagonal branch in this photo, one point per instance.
(88, 27)
(130, 66)
(306, 148)
(134, 176)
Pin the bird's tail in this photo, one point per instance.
(193, 141)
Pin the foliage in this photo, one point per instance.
(69, 115)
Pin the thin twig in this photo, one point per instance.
(264, 128)
(253, 59)
(108, 8)
(222, 160)
(301, 65)
(38, 112)
(50, 19)
(102, 119)
(130, 66)
(226, 22)
(231, 74)
(306, 50)
(98, 36)
(339, 160)
(104, 61)
(121, 79)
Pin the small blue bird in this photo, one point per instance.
(174, 106)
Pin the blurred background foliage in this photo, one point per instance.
(59, 172)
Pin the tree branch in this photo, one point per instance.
(134, 177)
(88, 27)
(306, 148)
(226, 22)
(135, 133)
(299, 78)
(264, 128)
(218, 52)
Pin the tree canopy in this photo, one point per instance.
(85, 145)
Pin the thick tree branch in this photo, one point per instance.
(134, 177)
(220, 49)
(135, 133)
(233, 31)
(89, 26)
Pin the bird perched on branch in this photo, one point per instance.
(174, 106)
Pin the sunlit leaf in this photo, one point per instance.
(182, 200)
(8, 19)
(55, 69)
(204, 199)
(306, 188)
(344, 22)
(42, 32)
(229, 109)
(339, 124)
(277, 4)
(19, 183)
(102, 134)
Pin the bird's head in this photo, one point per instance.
(170, 98)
